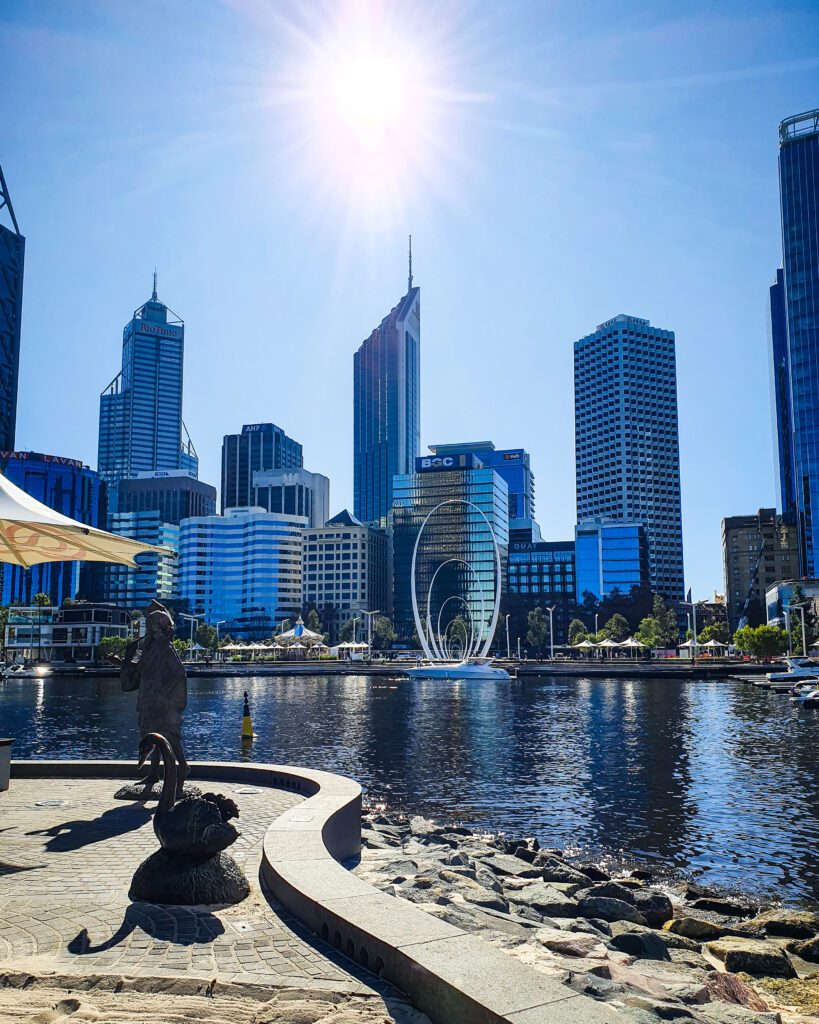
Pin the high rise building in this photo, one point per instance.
(174, 493)
(757, 551)
(780, 397)
(795, 350)
(295, 492)
(156, 575)
(69, 487)
(386, 388)
(510, 463)
(346, 572)
(243, 569)
(12, 254)
(456, 563)
(259, 446)
(610, 555)
(141, 426)
(627, 439)
(540, 574)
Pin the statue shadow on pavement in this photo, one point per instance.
(177, 925)
(73, 835)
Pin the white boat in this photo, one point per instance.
(471, 668)
(799, 669)
(806, 693)
(27, 672)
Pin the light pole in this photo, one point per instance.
(518, 648)
(787, 612)
(596, 621)
(221, 622)
(551, 632)
(194, 622)
(508, 648)
(801, 608)
(693, 606)
(370, 630)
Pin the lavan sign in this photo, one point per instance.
(439, 463)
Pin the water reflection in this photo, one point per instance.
(715, 778)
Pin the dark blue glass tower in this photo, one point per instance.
(799, 197)
(780, 397)
(12, 252)
(386, 385)
(259, 446)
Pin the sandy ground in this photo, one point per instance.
(110, 1000)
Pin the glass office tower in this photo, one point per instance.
(141, 409)
(259, 446)
(512, 464)
(780, 397)
(456, 549)
(610, 556)
(627, 439)
(12, 253)
(386, 408)
(799, 198)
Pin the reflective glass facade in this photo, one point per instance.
(799, 197)
(627, 438)
(259, 446)
(12, 258)
(610, 556)
(295, 492)
(157, 575)
(67, 486)
(780, 397)
(543, 572)
(456, 532)
(174, 494)
(511, 463)
(386, 382)
(243, 568)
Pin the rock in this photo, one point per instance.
(574, 944)
(724, 905)
(457, 859)
(629, 883)
(600, 928)
(184, 880)
(486, 900)
(642, 874)
(641, 945)
(611, 890)
(694, 928)
(805, 949)
(554, 871)
(527, 913)
(594, 873)
(800, 994)
(504, 864)
(545, 900)
(591, 985)
(420, 826)
(794, 924)
(609, 909)
(752, 956)
(730, 989)
(670, 940)
(728, 1013)
(654, 906)
(488, 880)
(689, 958)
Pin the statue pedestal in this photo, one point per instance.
(139, 791)
(183, 879)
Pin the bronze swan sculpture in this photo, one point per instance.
(193, 825)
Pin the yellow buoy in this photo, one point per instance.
(247, 724)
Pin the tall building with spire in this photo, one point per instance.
(141, 429)
(386, 387)
(12, 253)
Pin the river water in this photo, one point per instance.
(714, 779)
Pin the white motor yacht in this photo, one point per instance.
(799, 669)
(471, 668)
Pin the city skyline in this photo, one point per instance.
(710, 281)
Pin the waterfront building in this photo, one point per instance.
(780, 595)
(512, 464)
(157, 573)
(540, 574)
(795, 332)
(627, 438)
(386, 396)
(175, 494)
(12, 258)
(456, 552)
(260, 446)
(70, 634)
(345, 572)
(294, 492)
(610, 555)
(757, 550)
(141, 427)
(243, 569)
(69, 487)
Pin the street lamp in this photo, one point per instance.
(551, 632)
(221, 622)
(370, 630)
(596, 618)
(518, 648)
(693, 606)
(194, 622)
(801, 608)
(508, 648)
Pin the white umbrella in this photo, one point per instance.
(714, 643)
(584, 643)
(297, 647)
(31, 533)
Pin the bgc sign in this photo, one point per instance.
(439, 463)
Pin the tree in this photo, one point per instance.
(383, 633)
(716, 631)
(649, 632)
(285, 627)
(41, 600)
(111, 645)
(761, 641)
(617, 628)
(345, 634)
(314, 622)
(181, 647)
(577, 631)
(537, 629)
(667, 621)
(206, 637)
(589, 607)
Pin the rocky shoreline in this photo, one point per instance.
(652, 948)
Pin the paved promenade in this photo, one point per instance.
(67, 854)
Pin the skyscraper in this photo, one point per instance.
(781, 398)
(627, 440)
(141, 409)
(512, 464)
(12, 253)
(386, 385)
(796, 352)
(259, 446)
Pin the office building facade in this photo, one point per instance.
(140, 428)
(456, 556)
(260, 446)
(627, 438)
(609, 556)
(513, 464)
(782, 597)
(795, 351)
(780, 398)
(293, 492)
(243, 569)
(386, 395)
(12, 259)
(157, 573)
(541, 574)
(63, 635)
(69, 487)
(175, 494)
(346, 572)
(757, 551)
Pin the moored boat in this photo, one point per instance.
(470, 668)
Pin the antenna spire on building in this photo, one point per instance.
(153, 297)
(409, 286)
(5, 202)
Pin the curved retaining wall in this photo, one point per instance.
(454, 977)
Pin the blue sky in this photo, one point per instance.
(557, 163)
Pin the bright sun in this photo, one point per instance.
(370, 95)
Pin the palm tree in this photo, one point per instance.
(41, 600)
